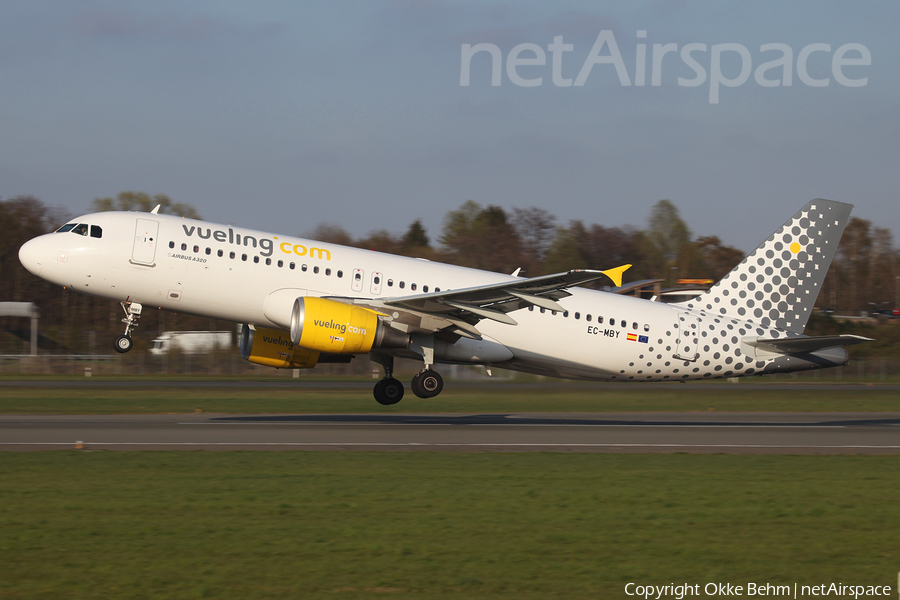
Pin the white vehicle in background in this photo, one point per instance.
(190, 342)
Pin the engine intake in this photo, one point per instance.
(337, 328)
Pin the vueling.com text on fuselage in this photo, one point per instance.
(266, 245)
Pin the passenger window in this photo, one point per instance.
(208, 251)
(646, 327)
(402, 285)
(531, 308)
(256, 259)
(96, 232)
(599, 319)
(587, 318)
(268, 261)
(292, 266)
(303, 268)
(315, 270)
(357, 276)
(425, 288)
(412, 286)
(377, 280)
(623, 324)
(280, 263)
(543, 310)
(219, 253)
(328, 271)
(566, 313)
(184, 246)
(243, 257)
(196, 248)
(231, 255)
(171, 244)
(340, 274)
(612, 321)
(65, 228)
(436, 290)
(577, 316)
(390, 283)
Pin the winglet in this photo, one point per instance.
(616, 274)
(155, 211)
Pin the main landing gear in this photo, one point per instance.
(132, 313)
(425, 384)
(388, 391)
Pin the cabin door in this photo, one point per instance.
(145, 240)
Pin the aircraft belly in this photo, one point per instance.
(466, 350)
(556, 352)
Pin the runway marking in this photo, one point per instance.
(649, 424)
(450, 444)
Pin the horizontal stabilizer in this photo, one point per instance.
(797, 345)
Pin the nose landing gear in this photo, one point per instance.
(132, 314)
(123, 344)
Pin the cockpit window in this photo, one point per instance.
(65, 228)
(81, 229)
(96, 231)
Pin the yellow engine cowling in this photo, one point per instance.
(274, 348)
(334, 327)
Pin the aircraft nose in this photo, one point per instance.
(30, 256)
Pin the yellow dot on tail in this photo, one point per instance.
(795, 247)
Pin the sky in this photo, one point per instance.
(279, 115)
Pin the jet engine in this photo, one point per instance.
(337, 328)
(274, 348)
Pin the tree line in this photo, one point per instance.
(863, 276)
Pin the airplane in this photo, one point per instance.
(303, 302)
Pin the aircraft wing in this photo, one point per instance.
(458, 311)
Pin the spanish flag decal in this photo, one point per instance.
(632, 337)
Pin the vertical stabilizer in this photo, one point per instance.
(777, 285)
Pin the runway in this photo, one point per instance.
(701, 433)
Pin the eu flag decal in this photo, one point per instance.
(644, 339)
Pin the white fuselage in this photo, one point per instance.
(253, 277)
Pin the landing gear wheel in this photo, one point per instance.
(123, 344)
(388, 391)
(132, 314)
(427, 384)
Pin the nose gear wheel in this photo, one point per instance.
(132, 314)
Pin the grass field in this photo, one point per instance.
(433, 525)
(496, 397)
(80, 524)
